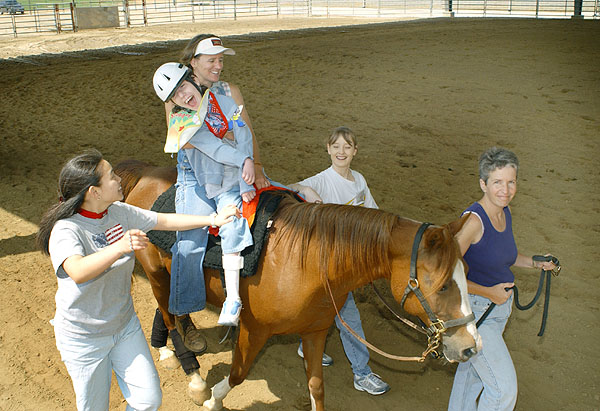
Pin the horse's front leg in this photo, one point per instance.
(247, 348)
(313, 345)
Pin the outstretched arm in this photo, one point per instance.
(84, 268)
(183, 222)
(528, 262)
(307, 192)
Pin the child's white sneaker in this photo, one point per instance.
(230, 313)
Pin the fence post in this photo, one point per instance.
(235, 9)
(537, 8)
(126, 10)
(57, 18)
(72, 6)
(577, 9)
(14, 24)
(144, 12)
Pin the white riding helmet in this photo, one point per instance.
(167, 78)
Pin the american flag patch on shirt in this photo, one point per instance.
(114, 233)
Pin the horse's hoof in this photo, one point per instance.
(198, 389)
(213, 405)
(167, 358)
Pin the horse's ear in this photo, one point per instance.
(455, 226)
(434, 237)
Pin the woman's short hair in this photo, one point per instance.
(346, 133)
(189, 50)
(496, 157)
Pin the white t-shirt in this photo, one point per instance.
(335, 189)
(101, 306)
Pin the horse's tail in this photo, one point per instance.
(130, 171)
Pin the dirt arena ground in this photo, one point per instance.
(424, 97)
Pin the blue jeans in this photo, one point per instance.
(187, 292)
(490, 372)
(357, 352)
(235, 236)
(90, 361)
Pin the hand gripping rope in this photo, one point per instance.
(545, 274)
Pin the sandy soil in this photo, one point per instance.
(424, 97)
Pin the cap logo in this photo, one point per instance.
(216, 42)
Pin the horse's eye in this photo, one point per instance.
(444, 288)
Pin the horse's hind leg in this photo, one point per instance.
(313, 345)
(247, 348)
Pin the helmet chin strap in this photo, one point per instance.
(201, 88)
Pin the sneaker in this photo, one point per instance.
(192, 337)
(230, 313)
(326, 360)
(371, 383)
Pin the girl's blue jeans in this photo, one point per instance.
(188, 293)
(357, 352)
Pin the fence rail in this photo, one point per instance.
(58, 17)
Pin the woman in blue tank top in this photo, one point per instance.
(488, 381)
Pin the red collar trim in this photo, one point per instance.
(91, 214)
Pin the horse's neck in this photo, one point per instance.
(400, 249)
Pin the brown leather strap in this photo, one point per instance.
(365, 342)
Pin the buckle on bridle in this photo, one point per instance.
(437, 327)
(413, 284)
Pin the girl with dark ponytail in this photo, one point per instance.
(75, 178)
(91, 237)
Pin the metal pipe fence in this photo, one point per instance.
(58, 17)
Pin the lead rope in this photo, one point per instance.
(429, 349)
(545, 274)
(398, 316)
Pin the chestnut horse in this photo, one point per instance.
(314, 248)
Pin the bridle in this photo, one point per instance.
(434, 331)
(437, 327)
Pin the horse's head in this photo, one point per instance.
(437, 290)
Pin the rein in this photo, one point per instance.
(434, 331)
(545, 274)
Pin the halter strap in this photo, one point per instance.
(437, 325)
(434, 331)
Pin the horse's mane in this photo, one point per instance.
(130, 171)
(350, 238)
(357, 239)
